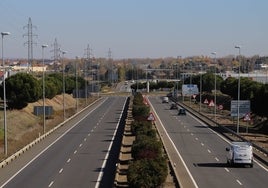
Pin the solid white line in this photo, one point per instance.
(51, 144)
(109, 149)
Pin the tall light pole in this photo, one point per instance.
(63, 83)
(4, 90)
(215, 88)
(76, 84)
(44, 107)
(238, 90)
(200, 95)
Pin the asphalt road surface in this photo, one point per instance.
(81, 154)
(203, 152)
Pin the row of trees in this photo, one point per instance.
(24, 88)
(149, 165)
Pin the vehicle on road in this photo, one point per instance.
(240, 153)
(165, 100)
(173, 106)
(181, 111)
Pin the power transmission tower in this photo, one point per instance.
(110, 64)
(30, 42)
(56, 53)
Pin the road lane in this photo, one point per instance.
(204, 153)
(77, 158)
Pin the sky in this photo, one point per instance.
(136, 28)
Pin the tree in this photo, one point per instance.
(21, 89)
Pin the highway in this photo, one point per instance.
(80, 154)
(203, 152)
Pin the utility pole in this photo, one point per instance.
(30, 42)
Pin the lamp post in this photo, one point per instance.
(44, 108)
(4, 90)
(63, 84)
(200, 95)
(215, 88)
(238, 90)
(76, 84)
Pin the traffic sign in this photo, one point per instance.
(205, 101)
(247, 117)
(151, 117)
(220, 107)
(211, 103)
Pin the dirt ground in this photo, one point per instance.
(24, 126)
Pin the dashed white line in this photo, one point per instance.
(61, 170)
(75, 151)
(217, 159)
(202, 144)
(227, 170)
(88, 134)
(68, 160)
(188, 130)
(192, 134)
(196, 138)
(51, 183)
(80, 145)
(85, 139)
(239, 182)
(209, 151)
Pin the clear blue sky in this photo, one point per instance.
(137, 28)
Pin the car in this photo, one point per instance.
(240, 152)
(182, 111)
(165, 100)
(173, 106)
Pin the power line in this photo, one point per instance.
(56, 53)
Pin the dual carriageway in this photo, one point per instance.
(84, 152)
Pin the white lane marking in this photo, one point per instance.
(75, 151)
(52, 143)
(202, 144)
(92, 130)
(227, 170)
(196, 138)
(109, 149)
(188, 130)
(51, 183)
(68, 160)
(209, 151)
(192, 134)
(80, 145)
(217, 159)
(61, 170)
(85, 139)
(239, 182)
(88, 134)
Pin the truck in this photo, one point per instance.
(240, 152)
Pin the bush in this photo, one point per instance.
(147, 173)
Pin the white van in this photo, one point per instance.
(165, 100)
(240, 153)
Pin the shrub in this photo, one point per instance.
(147, 173)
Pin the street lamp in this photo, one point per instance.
(4, 90)
(63, 84)
(76, 84)
(200, 95)
(44, 108)
(215, 84)
(238, 90)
